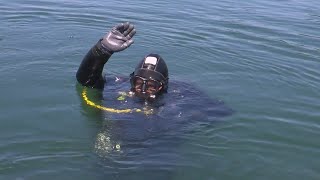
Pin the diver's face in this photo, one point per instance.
(146, 87)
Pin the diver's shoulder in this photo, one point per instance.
(184, 86)
(191, 93)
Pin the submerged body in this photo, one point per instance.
(180, 111)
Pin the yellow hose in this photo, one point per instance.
(90, 103)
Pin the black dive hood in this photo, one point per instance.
(152, 67)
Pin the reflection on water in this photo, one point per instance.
(103, 145)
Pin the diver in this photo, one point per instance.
(148, 82)
(174, 110)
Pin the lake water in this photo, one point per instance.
(261, 58)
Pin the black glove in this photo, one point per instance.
(119, 38)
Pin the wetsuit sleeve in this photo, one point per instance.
(90, 71)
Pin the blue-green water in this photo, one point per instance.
(262, 58)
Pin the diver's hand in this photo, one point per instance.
(119, 38)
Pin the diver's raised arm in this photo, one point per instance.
(90, 71)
